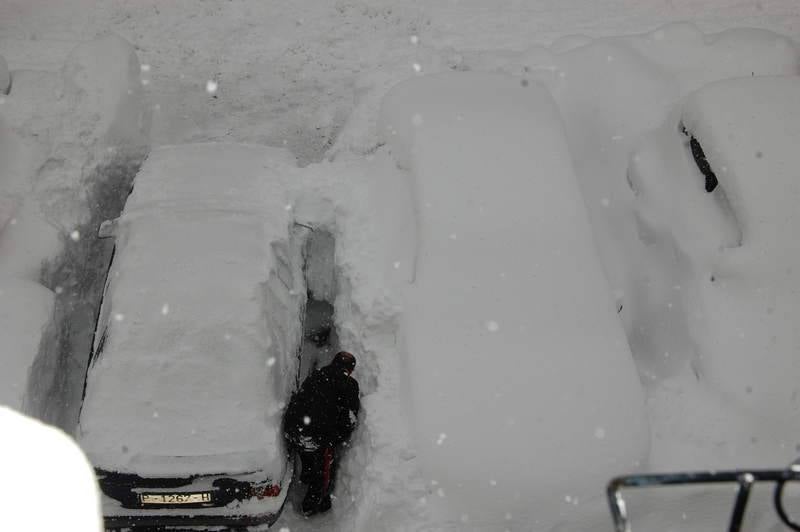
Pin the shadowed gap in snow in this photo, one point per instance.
(77, 276)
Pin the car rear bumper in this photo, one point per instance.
(139, 521)
(250, 513)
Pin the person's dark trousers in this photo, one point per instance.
(317, 474)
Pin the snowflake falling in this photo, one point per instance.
(284, 529)
(59, 290)
(306, 420)
(227, 336)
(441, 438)
(397, 265)
(440, 492)
(508, 516)
(145, 68)
(417, 67)
(155, 415)
(119, 317)
(600, 433)
(165, 309)
(492, 326)
(2, 100)
(270, 363)
(493, 483)
(211, 86)
(605, 202)
(145, 82)
(288, 207)
(13, 221)
(414, 39)
(416, 119)
(75, 235)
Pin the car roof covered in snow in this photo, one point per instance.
(749, 129)
(181, 385)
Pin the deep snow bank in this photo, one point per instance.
(69, 142)
(739, 241)
(511, 410)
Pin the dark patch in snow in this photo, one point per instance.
(703, 165)
(79, 272)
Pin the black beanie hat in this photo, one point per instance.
(344, 360)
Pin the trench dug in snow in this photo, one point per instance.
(77, 276)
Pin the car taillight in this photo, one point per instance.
(266, 490)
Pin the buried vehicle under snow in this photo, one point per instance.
(718, 185)
(194, 349)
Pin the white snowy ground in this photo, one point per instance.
(311, 77)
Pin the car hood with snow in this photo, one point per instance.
(181, 384)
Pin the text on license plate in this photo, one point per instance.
(175, 498)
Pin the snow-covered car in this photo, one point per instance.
(523, 388)
(719, 185)
(195, 347)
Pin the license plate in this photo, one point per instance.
(175, 498)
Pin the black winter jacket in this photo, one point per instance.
(324, 412)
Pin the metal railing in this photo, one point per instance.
(744, 478)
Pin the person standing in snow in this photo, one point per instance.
(321, 416)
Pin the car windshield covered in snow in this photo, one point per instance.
(195, 340)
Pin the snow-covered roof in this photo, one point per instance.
(181, 384)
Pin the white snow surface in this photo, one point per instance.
(33, 451)
(311, 75)
(187, 301)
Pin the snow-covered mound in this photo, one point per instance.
(34, 453)
(523, 388)
(739, 240)
(188, 377)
